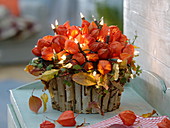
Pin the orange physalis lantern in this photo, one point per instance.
(79, 57)
(47, 53)
(103, 53)
(128, 117)
(71, 47)
(104, 67)
(67, 119)
(88, 66)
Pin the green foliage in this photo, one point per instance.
(77, 67)
(49, 67)
(112, 15)
(68, 83)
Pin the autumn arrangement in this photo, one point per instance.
(84, 67)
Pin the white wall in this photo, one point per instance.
(151, 20)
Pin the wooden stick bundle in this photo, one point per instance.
(76, 97)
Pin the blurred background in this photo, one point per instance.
(23, 22)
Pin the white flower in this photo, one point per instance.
(94, 73)
(136, 53)
(131, 75)
(118, 60)
(63, 57)
(69, 65)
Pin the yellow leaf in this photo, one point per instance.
(35, 103)
(136, 46)
(48, 75)
(133, 65)
(102, 80)
(116, 71)
(44, 98)
(149, 114)
(84, 79)
(123, 64)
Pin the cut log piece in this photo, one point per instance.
(78, 97)
(97, 98)
(86, 99)
(70, 100)
(61, 93)
(105, 102)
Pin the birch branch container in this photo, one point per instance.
(77, 97)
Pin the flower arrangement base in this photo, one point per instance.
(77, 98)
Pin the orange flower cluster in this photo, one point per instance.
(91, 45)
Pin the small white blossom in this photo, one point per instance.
(136, 53)
(63, 57)
(94, 73)
(69, 65)
(61, 62)
(35, 58)
(118, 60)
(131, 75)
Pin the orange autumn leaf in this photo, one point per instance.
(35, 103)
(83, 78)
(32, 70)
(104, 66)
(71, 47)
(79, 57)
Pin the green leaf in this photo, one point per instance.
(68, 83)
(123, 80)
(77, 67)
(138, 70)
(63, 69)
(106, 91)
(40, 65)
(49, 67)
